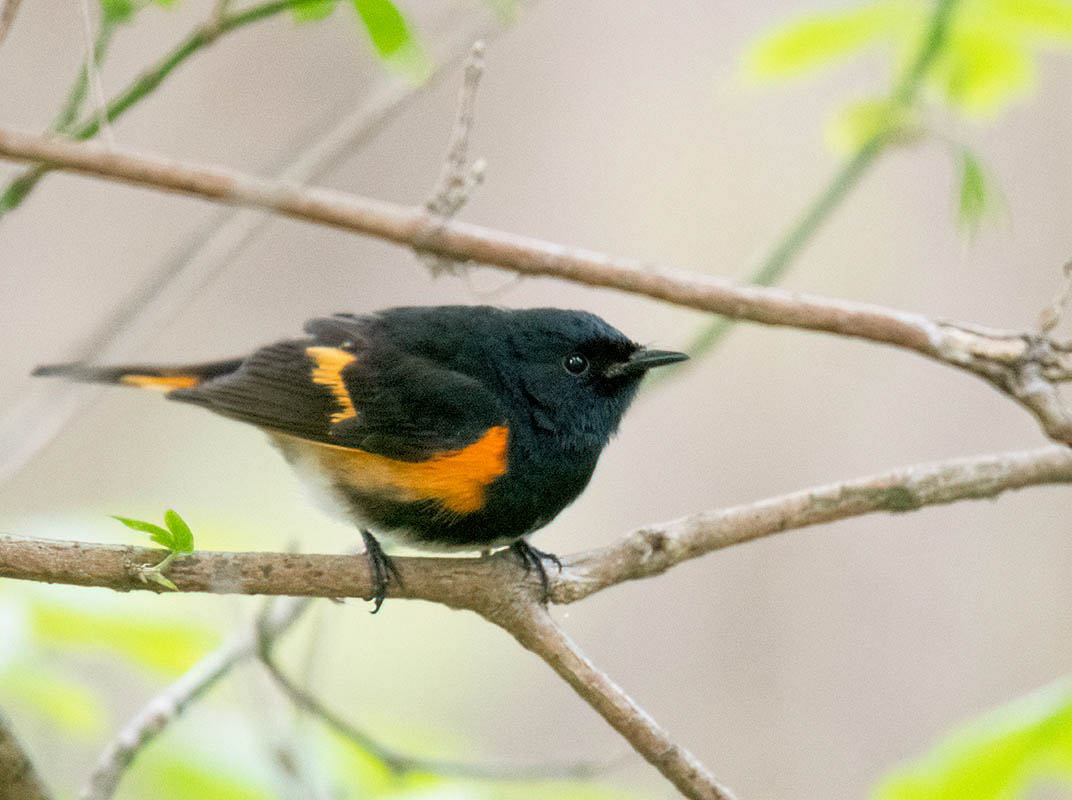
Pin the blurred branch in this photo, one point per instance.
(77, 94)
(496, 587)
(1025, 366)
(165, 707)
(18, 778)
(8, 9)
(93, 77)
(789, 246)
(402, 764)
(457, 179)
(204, 35)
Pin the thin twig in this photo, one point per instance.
(402, 764)
(202, 36)
(18, 778)
(1022, 365)
(457, 179)
(93, 74)
(166, 706)
(1051, 315)
(8, 9)
(72, 106)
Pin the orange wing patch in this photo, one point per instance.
(329, 364)
(160, 383)
(456, 479)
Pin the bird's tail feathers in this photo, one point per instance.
(162, 379)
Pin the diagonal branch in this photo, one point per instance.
(536, 631)
(403, 764)
(18, 778)
(1025, 366)
(8, 9)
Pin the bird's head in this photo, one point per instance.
(576, 373)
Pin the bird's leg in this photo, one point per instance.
(381, 567)
(532, 559)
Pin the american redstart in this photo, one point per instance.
(446, 427)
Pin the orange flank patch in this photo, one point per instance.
(456, 479)
(329, 363)
(160, 383)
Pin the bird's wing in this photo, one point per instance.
(337, 388)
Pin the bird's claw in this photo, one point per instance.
(381, 567)
(532, 559)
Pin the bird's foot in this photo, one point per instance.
(532, 559)
(383, 569)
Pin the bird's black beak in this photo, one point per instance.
(642, 360)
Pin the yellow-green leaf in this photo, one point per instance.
(997, 756)
(168, 774)
(1044, 18)
(182, 536)
(164, 645)
(983, 70)
(859, 123)
(64, 702)
(819, 39)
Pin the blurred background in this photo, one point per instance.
(801, 666)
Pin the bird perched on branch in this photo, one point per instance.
(444, 427)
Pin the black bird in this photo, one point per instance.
(445, 427)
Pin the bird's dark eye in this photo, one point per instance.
(575, 364)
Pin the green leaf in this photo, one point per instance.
(819, 39)
(161, 536)
(118, 10)
(974, 197)
(65, 702)
(165, 645)
(392, 39)
(182, 536)
(983, 70)
(997, 756)
(313, 12)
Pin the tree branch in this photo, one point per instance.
(166, 706)
(485, 584)
(18, 778)
(1026, 366)
(497, 588)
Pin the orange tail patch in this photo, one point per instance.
(160, 383)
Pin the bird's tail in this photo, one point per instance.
(162, 379)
